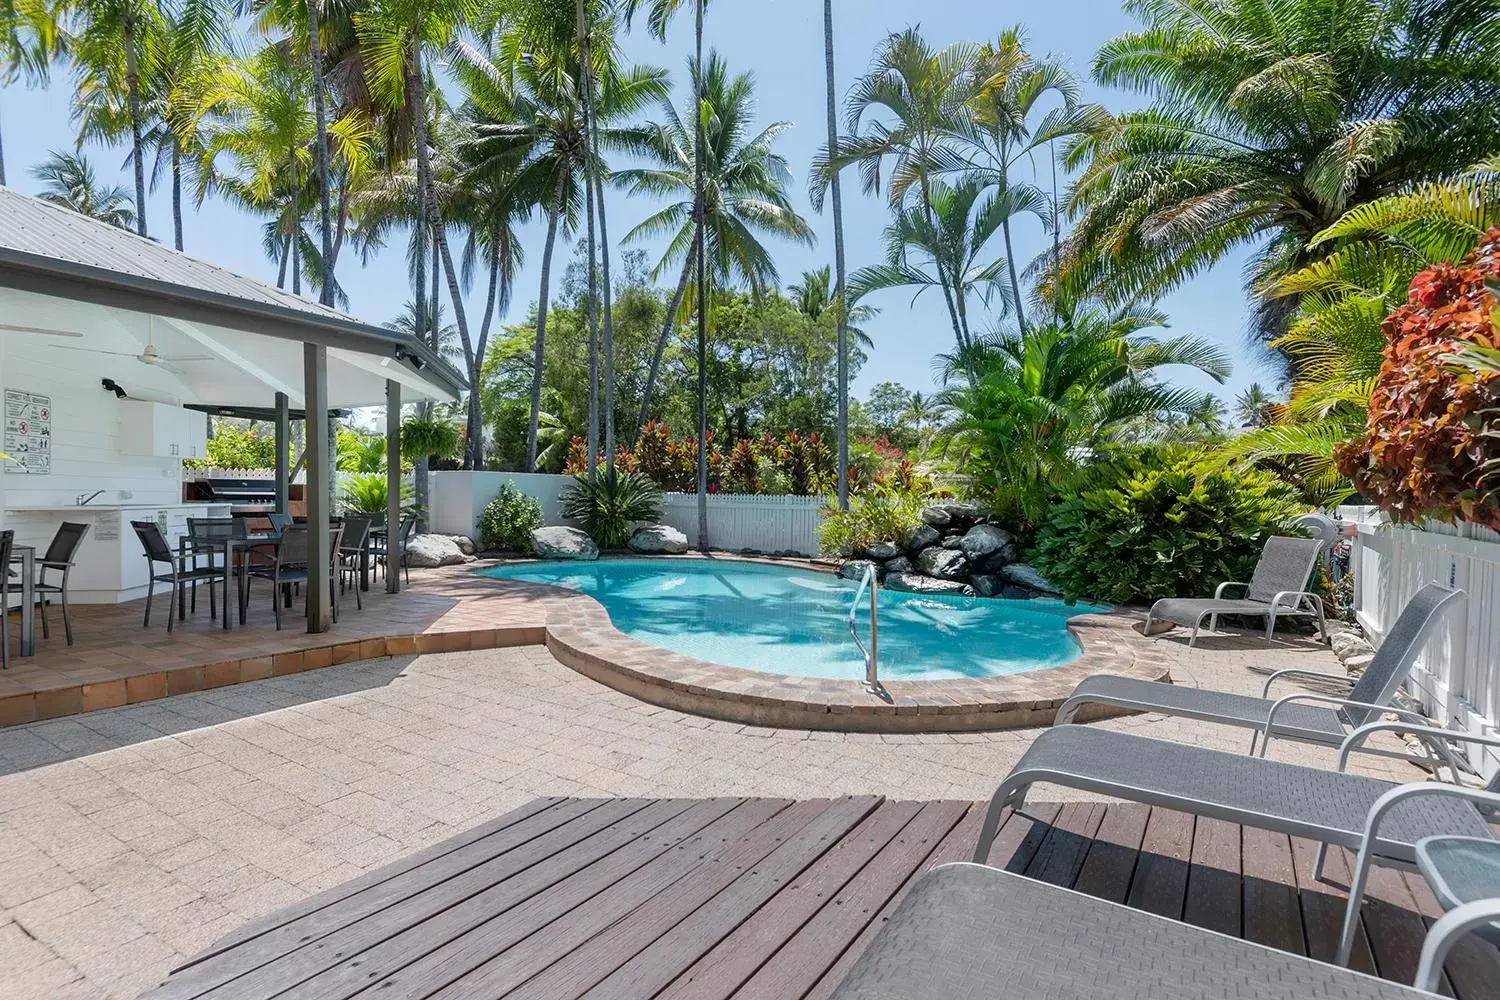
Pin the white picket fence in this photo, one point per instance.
(1457, 677)
(735, 522)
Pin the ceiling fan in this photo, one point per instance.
(149, 355)
(44, 331)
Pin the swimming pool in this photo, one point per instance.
(784, 620)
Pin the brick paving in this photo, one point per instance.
(134, 837)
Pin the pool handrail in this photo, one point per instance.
(870, 653)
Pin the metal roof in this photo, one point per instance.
(52, 250)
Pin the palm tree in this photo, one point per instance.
(815, 294)
(1040, 400)
(745, 197)
(528, 123)
(841, 296)
(68, 180)
(905, 110)
(1252, 408)
(30, 38)
(942, 243)
(1266, 129)
(922, 411)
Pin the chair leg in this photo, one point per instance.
(1271, 627)
(67, 615)
(150, 589)
(276, 586)
(174, 603)
(4, 631)
(42, 610)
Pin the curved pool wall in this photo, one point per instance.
(580, 634)
(792, 621)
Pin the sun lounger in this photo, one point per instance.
(1305, 717)
(1334, 808)
(969, 932)
(1278, 587)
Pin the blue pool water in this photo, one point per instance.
(793, 621)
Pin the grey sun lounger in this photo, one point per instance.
(1278, 587)
(970, 932)
(1380, 819)
(1305, 717)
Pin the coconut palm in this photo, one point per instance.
(745, 197)
(68, 180)
(107, 43)
(1041, 399)
(815, 293)
(1265, 130)
(30, 39)
(1252, 408)
(528, 124)
(840, 296)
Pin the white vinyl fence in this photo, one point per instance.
(1457, 678)
(736, 523)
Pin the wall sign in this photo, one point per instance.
(28, 432)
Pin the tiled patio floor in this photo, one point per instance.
(136, 836)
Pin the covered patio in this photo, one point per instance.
(114, 352)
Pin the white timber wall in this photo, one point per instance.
(736, 523)
(1457, 677)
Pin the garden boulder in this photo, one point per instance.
(428, 551)
(912, 583)
(855, 569)
(465, 544)
(900, 564)
(937, 516)
(564, 543)
(987, 584)
(1029, 577)
(925, 536)
(945, 564)
(658, 539)
(883, 550)
(985, 540)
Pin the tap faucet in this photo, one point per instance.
(83, 499)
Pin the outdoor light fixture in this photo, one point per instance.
(411, 357)
(110, 385)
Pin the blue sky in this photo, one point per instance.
(782, 42)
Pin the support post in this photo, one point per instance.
(319, 503)
(392, 486)
(283, 449)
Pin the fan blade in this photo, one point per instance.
(166, 367)
(188, 357)
(44, 331)
(92, 350)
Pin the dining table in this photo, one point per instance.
(25, 557)
(228, 544)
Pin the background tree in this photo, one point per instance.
(69, 180)
(30, 39)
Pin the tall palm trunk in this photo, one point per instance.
(474, 457)
(664, 337)
(133, 96)
(286, 256)
(1015, 281)
(838, 265)
(698, 208)
(2, 157)
(593, 325)
(320, 112)
(596, 191)
(554, 210)
(176, 192)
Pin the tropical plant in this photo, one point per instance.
(236, 448)
(30, 39)
(840, 290)
(1169, 530)
(1254, 407)
(610, 504)
(746, 196)
(358, 452)
(1041, 401)
(815, 294)
(1425, 452)
(1268, 125)
(68, 179)
(423, 439)
(507, 521)
(886, 511)
(367, 493)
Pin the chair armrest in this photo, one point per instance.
(1276, 602)
(1265, 692)
(1219, 591)
(1354, 739)
(1328, 699)
(1444, 934)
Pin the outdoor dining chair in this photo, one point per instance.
(355, 537)
(384, 544)
(7, 540)
(290, 567)
(180, 572)
(59, 559)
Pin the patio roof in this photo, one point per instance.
(61, 271)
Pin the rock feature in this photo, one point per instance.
(900, 564)
(985, 540)
(883, 550)
(987, 584)
(937, 516)
(952, 542)
(564, 543)
(1029, 577)
(924, 537)
(945, 564)
(915, 584)
(658, 539)
(465, 544)
(428, 551)
(855, 569)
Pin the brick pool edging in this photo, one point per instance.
(586, 640)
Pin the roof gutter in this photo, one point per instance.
(65, 279)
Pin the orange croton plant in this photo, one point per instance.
(1425, 450)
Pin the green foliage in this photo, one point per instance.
(611, 505)
(359, 452)
(237, 448)
(889, 510)
(506, 523)
(426, 437)
(367, 492)
(1170, 531)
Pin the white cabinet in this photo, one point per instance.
(159, 429)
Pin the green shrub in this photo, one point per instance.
(1176, 531)
(611, 505)
(887, 511)
(508, 520)
(366, 493)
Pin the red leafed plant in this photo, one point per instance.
(1425, 449)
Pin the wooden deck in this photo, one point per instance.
(769, 899)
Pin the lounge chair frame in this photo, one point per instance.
(1285, 601)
